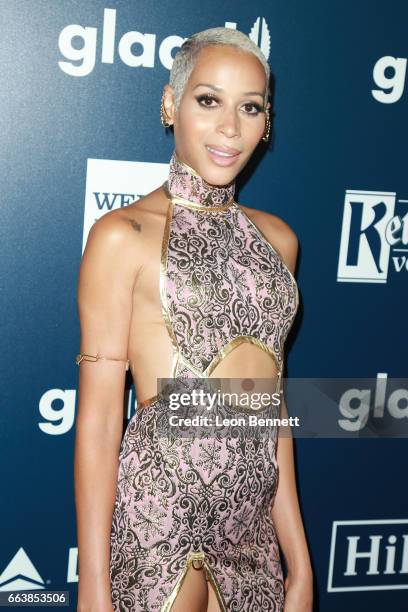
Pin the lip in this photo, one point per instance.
(222, 155)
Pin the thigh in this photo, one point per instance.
(193, 594)
(213, 605)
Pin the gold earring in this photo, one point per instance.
(267, 130)
(164, 118)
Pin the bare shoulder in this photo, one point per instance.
(278, 232)
(128, 230)
(112, 233)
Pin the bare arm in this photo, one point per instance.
(286, 510)
(106, 280)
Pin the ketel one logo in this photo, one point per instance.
(20, 574)
(368, 555)
(372, 236)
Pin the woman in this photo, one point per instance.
(185, 283)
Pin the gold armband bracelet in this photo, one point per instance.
(81, 356)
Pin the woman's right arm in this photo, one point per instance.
(107, 276)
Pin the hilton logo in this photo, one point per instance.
(370, 230)
(368, 555)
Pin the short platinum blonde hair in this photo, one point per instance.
(187, 56)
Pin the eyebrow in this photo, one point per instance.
(216, 88)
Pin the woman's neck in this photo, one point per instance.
(184, 182)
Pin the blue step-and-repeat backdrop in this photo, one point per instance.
(81, 83)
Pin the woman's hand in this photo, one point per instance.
(298, 594)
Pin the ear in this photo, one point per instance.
(168, 102)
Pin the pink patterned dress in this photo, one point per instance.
(197, 499)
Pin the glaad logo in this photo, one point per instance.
(368, 555)
(57, 420)
(260, 36)
(114, 184)
(82, 59)
(384, 410)
(20, 574)
(394, 84)
(370, 229)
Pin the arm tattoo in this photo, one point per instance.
(136, 226)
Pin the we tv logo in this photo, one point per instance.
(368, 555)
(112, 184)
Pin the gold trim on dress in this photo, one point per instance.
(279, 385)
(146, 403)
(227, 348)
(222, 353)
(200, 558)
(190, 366)
(195, 205)
(163, 279)
(86, 357)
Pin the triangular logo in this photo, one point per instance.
(20, 574)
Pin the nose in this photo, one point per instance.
(229, 123)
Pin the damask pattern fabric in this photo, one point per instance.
(197, 499)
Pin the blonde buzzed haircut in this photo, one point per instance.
(187, 56)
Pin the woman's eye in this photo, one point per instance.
(206, 100)
(210, 101)
(251, 108)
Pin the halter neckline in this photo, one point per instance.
(185, 185)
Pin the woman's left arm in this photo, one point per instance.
(289, 528)
(286, 511)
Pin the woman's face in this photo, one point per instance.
(220, 118)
